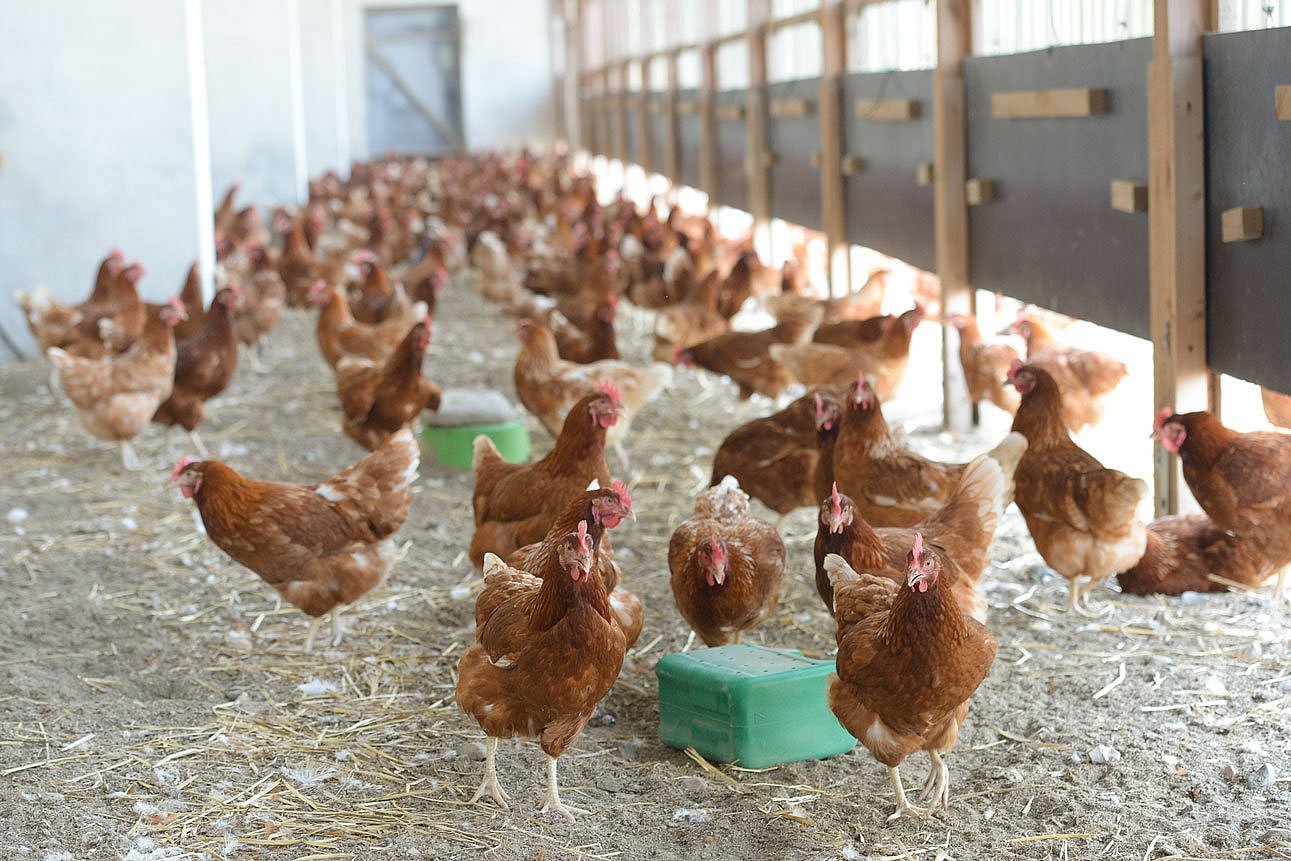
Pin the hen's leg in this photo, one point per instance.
(551, 801)
(739, 635)
(313, 629)
(490, 782)
(338, 630)
(1082, 600)
(258, 363)
(129, 459)
(904, 807)
(937, 788)
(197, 444)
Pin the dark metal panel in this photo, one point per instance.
(688, 152)
(886, 209)
(1248, 163)
(658, 137)
(1050, 236)
(733, 179)
(635, 142)
(795, 184)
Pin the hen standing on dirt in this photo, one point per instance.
(547, 649)
(909, 657)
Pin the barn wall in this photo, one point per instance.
(98, 148)
(252, 56)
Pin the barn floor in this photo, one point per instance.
(155, 701)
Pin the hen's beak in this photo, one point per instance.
(835, 523)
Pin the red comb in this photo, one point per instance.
(1163, 416)
(179, 466)
(918, 546)
(609, 388)
(820, 405)
(117, 254)
(1014, 367)
(622, 490)
(584, 541)
(835, 501)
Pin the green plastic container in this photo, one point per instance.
(749, 705)
(455, 446)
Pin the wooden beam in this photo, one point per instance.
(755, 126)
(1043, 104)
(887, 110)
(1129, 195)
(954, 45)
(1177, 227)
(1242, 224)
(671, 162)
(833, 166)
(792, 108)
(1282, 101)
(709, 171)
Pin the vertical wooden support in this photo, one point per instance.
(625, 152)
(1177, 226)
(573, 85)
(708, 169)
(954, 44)
(755, 125)
(833, 198)
(671, 165)
(648, 160)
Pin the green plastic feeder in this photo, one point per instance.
(455, 446)
(464, 414)
(749, 705)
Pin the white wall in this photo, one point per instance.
(96, 122)
(323, 71)
(249, 53)
(508, 82)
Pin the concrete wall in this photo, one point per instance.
(508, 81)
(118, 116)
(323, 73)
(96, 132)
(252, 53)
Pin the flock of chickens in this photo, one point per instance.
(902, 541)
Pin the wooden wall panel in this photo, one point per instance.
(688, 144)
(1248, 157)
(887, 209)
(792, 138)
(732, 176)
(1050, 235)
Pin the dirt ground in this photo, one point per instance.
(155, 701)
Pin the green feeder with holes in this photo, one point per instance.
(749, 705)
(463, 415)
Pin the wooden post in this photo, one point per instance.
(572, 85)
(625, 152)
(954, 44)
(1177, 227)
(671, 164)
(755, 126)
(708, 169)
(833, 197)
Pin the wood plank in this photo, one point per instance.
(834, 165)
(1129, 195)
(1282, 102)
(1038, 104)
(727, 113)
(1242, 224)
(688, 106)
(708, 165)
(1177, 228)
(887, 110)
(925, 173)
(852, 165)
(783, 108)
(978, 191)
(759, 174)
(954, 44)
